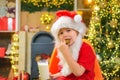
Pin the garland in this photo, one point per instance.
(46, 5)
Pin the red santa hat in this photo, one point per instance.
(68, 19)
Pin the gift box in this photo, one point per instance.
(2, 51)
(7, 24)
(2, 78)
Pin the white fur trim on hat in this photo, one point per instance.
(68, 22)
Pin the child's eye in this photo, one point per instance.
(60, 33)
(68, 30)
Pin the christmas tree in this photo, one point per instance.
(104, 34)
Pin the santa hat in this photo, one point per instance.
(68, 19)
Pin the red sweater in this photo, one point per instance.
(87, 60)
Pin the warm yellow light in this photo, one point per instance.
(89, 1)
(96, 8)
(80, 12)
(47, 27)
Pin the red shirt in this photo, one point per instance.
(87, 60)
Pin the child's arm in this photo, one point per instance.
(76, 68)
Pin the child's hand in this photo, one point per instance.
(63, 47)
(54, 76)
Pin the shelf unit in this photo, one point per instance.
(5, 36)
(5, 40)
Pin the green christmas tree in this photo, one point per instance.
(104, 34)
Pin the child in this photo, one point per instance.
(76, 58)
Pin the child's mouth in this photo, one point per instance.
(67, 41)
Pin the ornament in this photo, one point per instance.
(15, 44)
(102, 4)
(98, 39)
(24, 75)
(13, 48)
(15, 37)
(14, 54)
(113, 23)
(96, 19)
(117, 60)
(46, 19)
(116, 78)
(110, 44)
(96, 8)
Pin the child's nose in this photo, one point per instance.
(65, 33)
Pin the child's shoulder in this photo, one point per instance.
(86, 43)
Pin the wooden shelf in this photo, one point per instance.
(5, 39)
(7, 31)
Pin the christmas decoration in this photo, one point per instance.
(24, 75)
(48, 5)
(3, 8)
(113, 23)
(11, 9)
(110, 44)
(14, 54)
(2, 51)
(102, 4)
(104, 34)
(46, 18)
(7, 24)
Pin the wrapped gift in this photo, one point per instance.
(2, 78)
(7, 24)
(2, 51)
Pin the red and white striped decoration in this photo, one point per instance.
(7, 24)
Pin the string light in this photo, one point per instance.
(51, 4)
(104, 34)
(14, 53)
(89, 1)
(96, 8)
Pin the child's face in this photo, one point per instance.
(68, 34)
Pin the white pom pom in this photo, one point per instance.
(77, 18)
(98, 57)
